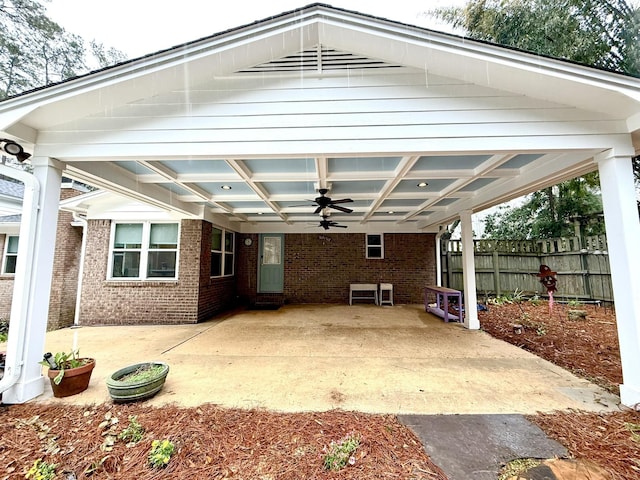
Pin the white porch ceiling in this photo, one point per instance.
(324, 98)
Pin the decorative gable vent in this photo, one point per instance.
(319, 59)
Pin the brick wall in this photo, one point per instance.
(193, 297)
(66, 263)
(216, 294)
(320, 267)
(65, 271)
(247, 268)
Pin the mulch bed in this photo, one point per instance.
(211, 443)
(588, 348)
(611, 441)
(217, 443)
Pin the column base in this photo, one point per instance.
(630, 396)
(23, 391)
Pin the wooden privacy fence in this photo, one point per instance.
(502, 266)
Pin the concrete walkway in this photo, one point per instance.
(396, 360)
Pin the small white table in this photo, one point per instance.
(363, 291)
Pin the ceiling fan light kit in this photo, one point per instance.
(324, 203)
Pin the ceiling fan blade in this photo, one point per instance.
(342, 209)
(342, 200)
(339, 226)
(318, 210)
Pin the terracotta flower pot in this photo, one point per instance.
(75, 380)
(128, 391)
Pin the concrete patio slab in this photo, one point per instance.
(397, 360)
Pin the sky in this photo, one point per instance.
(140, 27)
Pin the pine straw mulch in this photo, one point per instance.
(211, 442)
(588, 348)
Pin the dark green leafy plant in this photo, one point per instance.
(4, 330)
(64, 361)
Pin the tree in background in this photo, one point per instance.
(599, 33)
(557, 211)
(35, 51)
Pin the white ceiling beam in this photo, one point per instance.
(172, 176)
(116, 179)
(404, 166)
(243, 171)
(322, 171)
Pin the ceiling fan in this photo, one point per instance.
(323, 202)
(326, 223)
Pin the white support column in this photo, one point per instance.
(623, 234)
(30, 384)
(469, 273)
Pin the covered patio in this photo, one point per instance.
(318, 357)
(417, 127)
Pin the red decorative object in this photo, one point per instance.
(548, 279)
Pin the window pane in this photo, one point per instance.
(10, 266)
(228, 242)
(228, 264)
(126, 264)
(374, 239)
(161, 264)
(374, 252)
(216, 264)
(12, 244)
(271, 250)
(163, 235)
(128, 235)
(216, 239)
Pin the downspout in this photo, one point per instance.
(22, 283)
(439, 257)
(83, 249)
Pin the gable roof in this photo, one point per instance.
(324, 97)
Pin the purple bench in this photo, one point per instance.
(441, 307)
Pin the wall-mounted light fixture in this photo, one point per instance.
(15, 149)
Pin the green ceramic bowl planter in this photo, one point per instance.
(137, 382)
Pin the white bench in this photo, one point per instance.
(363, 291)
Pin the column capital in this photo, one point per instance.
(47, 162)
(615, 153)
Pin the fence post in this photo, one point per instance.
(586, 277)
(496, 272)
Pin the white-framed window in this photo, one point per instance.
(222, 252)
(375, 245)
(144, 251)
(10, 254)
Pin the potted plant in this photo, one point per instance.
(68, 372)
(137, 382)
